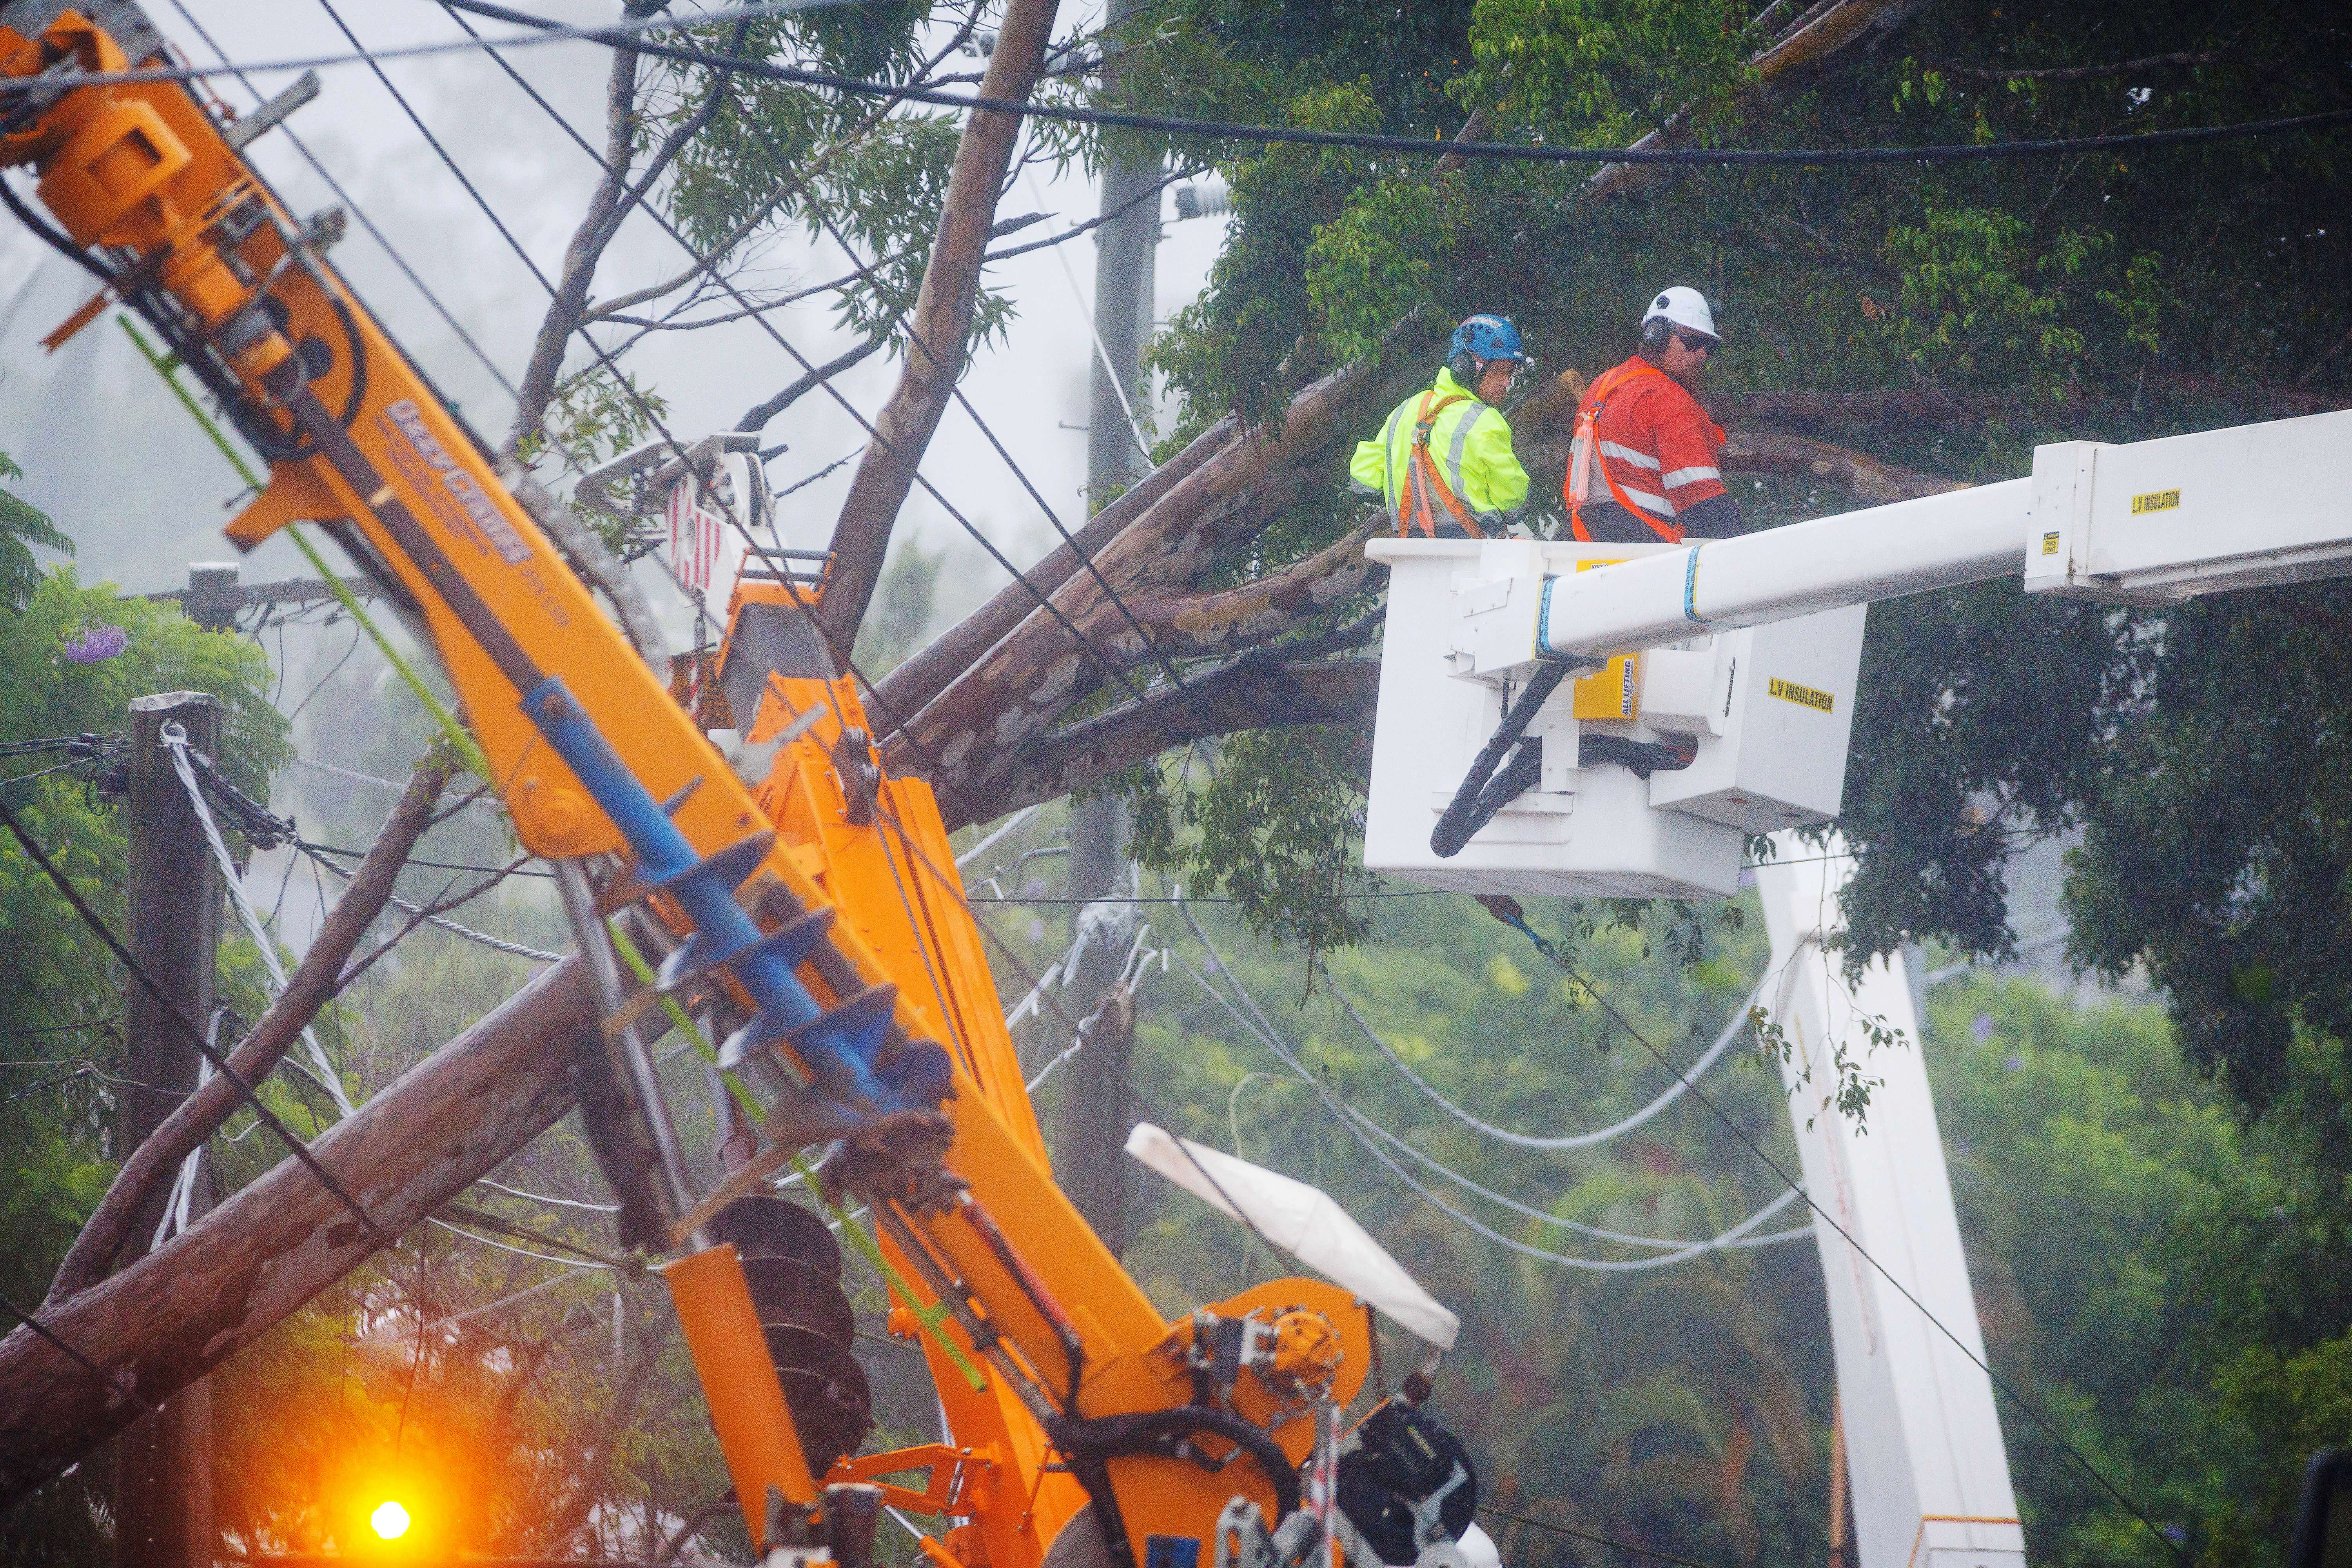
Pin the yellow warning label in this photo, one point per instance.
(2049, 545)
(1806, 696)
(1610, 692)
(2154, 500)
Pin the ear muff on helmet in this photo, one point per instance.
(1464, 367)
(1654, 333)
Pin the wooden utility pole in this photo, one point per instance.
(162, 1463)
(1089, 1162)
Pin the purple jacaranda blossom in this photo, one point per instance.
(93, 645)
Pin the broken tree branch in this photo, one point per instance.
(911, 687)
(588, 239)
(942, 323)
(1258, 690)
(1276, 603)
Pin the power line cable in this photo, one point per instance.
(1567, 963)
(307, 846)
(1578, 1141)
(120, 1383)
(269, 1118)
(442, 922)
(638, 199)
(1211, 130)
(964, 402)
(1588, 1535)
(351, 203)
(1356, 1124)
(874, 434)
(653, 418)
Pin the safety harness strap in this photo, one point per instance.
(1424, 476)
(1588, 435)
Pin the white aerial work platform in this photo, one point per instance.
(1726, 670)
(1743, 653)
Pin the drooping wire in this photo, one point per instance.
(179, 1020)
(1576, 1141)
(1356, 1124)
(1566, 963)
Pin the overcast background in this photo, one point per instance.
(127, 474)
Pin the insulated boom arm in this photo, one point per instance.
(2148, 523)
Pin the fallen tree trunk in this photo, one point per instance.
(314, 983)
(1256, 692)
(909, 689)
(179, 1312)
(1858, 474)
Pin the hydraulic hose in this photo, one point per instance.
(1483, 793)
(1091, 1445)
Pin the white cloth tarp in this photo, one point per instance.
(1302, 1221)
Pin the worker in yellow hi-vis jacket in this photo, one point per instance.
(1443, 461)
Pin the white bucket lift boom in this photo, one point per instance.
(1718, 703)
(1726, 701)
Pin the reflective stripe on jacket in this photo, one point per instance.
(1656, 451)
(1470, 448)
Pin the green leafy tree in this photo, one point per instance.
(22, 527)
(60, 996)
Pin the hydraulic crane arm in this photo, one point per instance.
(817, 913)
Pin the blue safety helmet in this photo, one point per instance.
(1486, 338)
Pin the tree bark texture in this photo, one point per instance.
(177, 1314)
(908, 688)
(942, 321)
(1021, 685)
(128, 1209)
(1258, 690)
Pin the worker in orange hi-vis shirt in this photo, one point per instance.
(1648, 463)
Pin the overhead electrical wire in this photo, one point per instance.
(550, 31)
(119, 1381)
(901, 724)
(179, 1020)
(963, 401)
(1576, 1141)
(653, 419)
(350, 205)
(1825, 1218)
(1355, 1123)
(1588, 1535)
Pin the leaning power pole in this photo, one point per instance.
(1088, 1161)
(163, 1462)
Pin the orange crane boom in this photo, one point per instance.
(816, 912)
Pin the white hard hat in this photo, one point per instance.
(1480, 1548)
(1684, 308)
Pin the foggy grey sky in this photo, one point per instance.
(125, 472)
